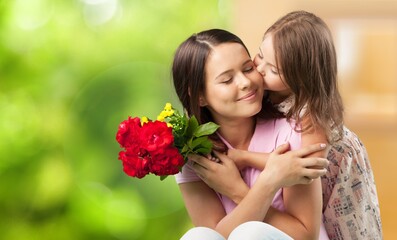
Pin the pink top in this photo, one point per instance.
(268, 135)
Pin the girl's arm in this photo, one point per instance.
(222, 176)
(243, 158)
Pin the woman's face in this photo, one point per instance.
(233, 87)
(265, 63)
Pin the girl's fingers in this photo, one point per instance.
(306, 180)
(315, 162)
(314, 173)
(282, 148)
(311, 149)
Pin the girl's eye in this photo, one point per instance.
(259, 54)
(274, 70)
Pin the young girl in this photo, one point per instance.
(297, 60)
(216, 80)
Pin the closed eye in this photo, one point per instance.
(227, 81)
(249, 69)
(260, 54)
(274, 70)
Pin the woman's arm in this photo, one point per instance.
(202, 204)
(205, 208)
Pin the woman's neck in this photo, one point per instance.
(238, 133)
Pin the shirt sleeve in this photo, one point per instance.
(286, 133)
(187, 175)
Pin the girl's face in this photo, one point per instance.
(233, 87)
(265, 62)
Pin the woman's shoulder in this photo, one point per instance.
(274, 132)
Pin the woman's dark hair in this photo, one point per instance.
(188, 70)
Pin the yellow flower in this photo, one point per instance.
(144, 120)
(169, 125)
(160, 118)
(168, 107)
(167, 113)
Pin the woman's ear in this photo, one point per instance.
(202, 101)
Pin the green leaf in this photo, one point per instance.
(191, 127)
(202, 150)
(185, 149)
(163, 177)
(197, 141)
(206, 144)
(206, 129)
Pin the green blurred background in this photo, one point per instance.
(70, 72)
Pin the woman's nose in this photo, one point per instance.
(243, 82)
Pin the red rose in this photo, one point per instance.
(169, 162)
(134, 165)
(148, 148)
(156, 136)
(128, 132)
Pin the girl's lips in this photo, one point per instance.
(248, 96)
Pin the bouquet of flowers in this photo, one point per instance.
(161, 147)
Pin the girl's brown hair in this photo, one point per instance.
(306, 57)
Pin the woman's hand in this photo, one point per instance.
(221, 175)
(287, 168)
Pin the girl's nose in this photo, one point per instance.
(259, 66)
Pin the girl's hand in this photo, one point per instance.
(220, 174)
(287, 168)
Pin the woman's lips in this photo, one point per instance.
(248, 96)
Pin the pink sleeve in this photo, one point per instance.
(295, 140)
(287, 133)
(187, 175)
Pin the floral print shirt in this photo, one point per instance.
(350, 201)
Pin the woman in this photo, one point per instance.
(216, 80)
